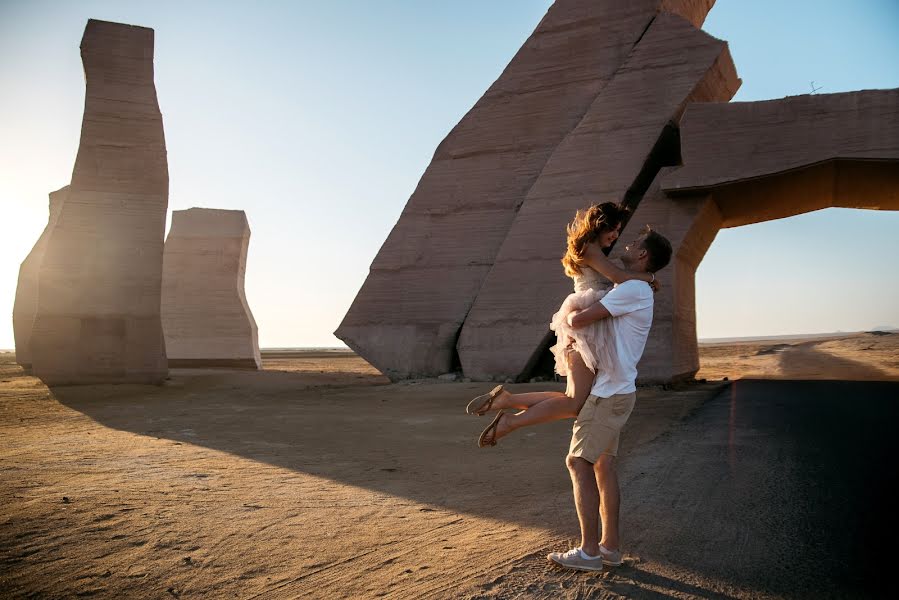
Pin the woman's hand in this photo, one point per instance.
(655, 285)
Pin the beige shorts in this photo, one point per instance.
(598, 425)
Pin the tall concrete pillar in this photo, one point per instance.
(205, 315)
(26, 290)
(98, 310)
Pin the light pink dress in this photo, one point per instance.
(593, 342)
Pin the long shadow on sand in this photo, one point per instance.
(410, 441)
(778, 486)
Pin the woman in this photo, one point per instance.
(579, 352)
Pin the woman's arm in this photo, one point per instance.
(596, 259)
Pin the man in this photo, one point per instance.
(594, 439)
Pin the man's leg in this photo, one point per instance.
(586, 501)
(610, 500)
(595, 436)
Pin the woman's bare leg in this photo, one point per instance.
(582, 380)
(549, 406)
(524, 401)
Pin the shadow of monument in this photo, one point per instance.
(393, 439)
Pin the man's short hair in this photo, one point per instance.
(658, 248)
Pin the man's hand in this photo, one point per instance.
(570, 318)
(580, 318)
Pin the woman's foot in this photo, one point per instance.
(493, 400)
(491, 433)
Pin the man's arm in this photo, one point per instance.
(588, 315)
(620, 300)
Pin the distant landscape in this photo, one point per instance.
(275, 350)
(862, 356)
(793, 336)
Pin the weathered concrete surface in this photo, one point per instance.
(205, 315)
(26, 289)
(406, 318)
(784, 157)
(691, 226)
(99, 284)
(793, 155)
(605, 158)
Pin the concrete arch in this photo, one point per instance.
(750, 162)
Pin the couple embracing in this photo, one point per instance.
(600, 339)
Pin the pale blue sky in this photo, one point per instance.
(318, 119)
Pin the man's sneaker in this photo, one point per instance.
(576, 559)
(610, 558)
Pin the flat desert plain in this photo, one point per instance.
(872, 356)
(317, 477)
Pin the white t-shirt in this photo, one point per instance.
(630, 304)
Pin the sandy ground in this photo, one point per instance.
(856, 357)
(318, 478)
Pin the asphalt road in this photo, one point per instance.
(782, 487)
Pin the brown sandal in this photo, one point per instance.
(481, 405)
(488, 436)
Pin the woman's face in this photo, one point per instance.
(607, 238)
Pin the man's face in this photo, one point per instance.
(633, 252)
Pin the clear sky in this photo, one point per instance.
(318, 119)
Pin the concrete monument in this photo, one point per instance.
(610, 156)
(590, 110)
(205, 315)
(26, 290)
(99, 284)
(407, 317)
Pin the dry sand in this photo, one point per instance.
(318, 478)
(847, 357)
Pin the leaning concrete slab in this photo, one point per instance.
(26, 289)
(406, 318)
(611, 155)
(205, 315)
(97, 318)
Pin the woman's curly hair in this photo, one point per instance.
(586, 229)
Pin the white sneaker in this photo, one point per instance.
(576, 559)
(610, 558)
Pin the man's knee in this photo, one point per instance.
(605, 465)
(576, 462)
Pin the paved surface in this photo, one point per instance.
(783, 487)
